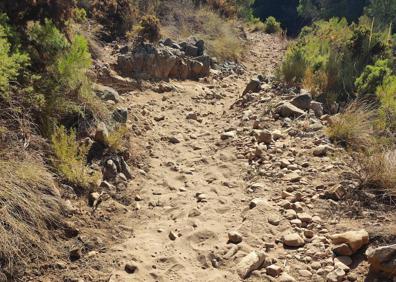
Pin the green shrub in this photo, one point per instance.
(80, 15)
(70, 159)
(335, 55)
(372, 77)
(117, 138)
(72, 65)
(272, 25)
(47, 42)
(63, 87)
(12, 62)
(294, 65)
(386, 94)
(256, 25)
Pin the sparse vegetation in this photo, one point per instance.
(353, 128)
(28, 211)
(148, 29)
(377, 170)
(70, 159)
(272, 25)
(220, 35)
(117, 138)
(294, 66)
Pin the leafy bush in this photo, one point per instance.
(384, 13)
(47, 42)
(294, 65)
(386, 94)
(70, 159)
(117, 16)
(62, 88)
(335, 55)
(372, 77)
(22, 11)
(257, 25)
(116, 139)
(272, 25)
(11, 62)
(80, 15)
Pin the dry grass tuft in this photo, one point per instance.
(374, 156)
(354, 127)
(378, 171)
(27, 211)
(220, 34)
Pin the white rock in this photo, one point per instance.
(249, 263)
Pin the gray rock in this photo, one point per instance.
(75, 254)
(302, 101)
(383, 259)
(321, 150)
(147, 61)
(106, 93)
(125, 169)
(120, 114)
(109, 170)
(273, 270)
(286, 109)
(228, 135)
(191, 50)
(172, 235)
(253, 86)
(130, 268)
(317, 108)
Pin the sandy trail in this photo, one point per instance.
(195, 187)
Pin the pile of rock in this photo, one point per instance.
(168, 59)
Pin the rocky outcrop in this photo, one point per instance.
(350, 242)
(383, 259)
(168, 59)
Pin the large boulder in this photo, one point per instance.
(253, 86)
(106, 93)
(147, 61)
(383, 259)
(302, 101)
(317, 108)
(287, 109)
(350, 242)
(120, 114)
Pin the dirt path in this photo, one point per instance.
(206, 175)
(195, 188)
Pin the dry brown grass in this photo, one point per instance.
(374, 156)
(27, 211)
(220, 34)
(378, 171)
(354, 127)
